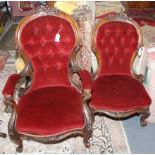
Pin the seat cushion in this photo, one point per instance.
(50, 111)
(118, 93)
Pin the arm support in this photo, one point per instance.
(10, 85)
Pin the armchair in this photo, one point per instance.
(50, 109)
(117, 90)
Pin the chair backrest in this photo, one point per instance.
(116, 40)
(48, 39)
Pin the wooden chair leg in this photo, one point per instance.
(86, 140)
(15, 137)
(143, 117)
(87, 135)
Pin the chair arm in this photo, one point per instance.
(86, 79)
(10, 85)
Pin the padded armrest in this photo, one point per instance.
(10, 84)
(86, 79)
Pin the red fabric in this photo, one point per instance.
(86, 79)
(52, 106)
(49, 57)
(116, 42)
(10, 84)
(105, 15)
(118, 93)
(144, 21)
(50, 110)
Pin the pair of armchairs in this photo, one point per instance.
(50, 108)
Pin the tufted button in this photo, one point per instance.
(50, 53)
(129, 31)
(106, 50)
(116, 49)
(122, 41)
(116, 52)
(58, 65)
(111, 60)
(117, 32)
(43, 44)
(102, 41)
(35, 33)
(31, 42)
(127, 50)
(112, 41)
(132, 40)
(107, 31)
(121, 61)
(67, 40)
(35, 30)
(61, 27)
(48, 28)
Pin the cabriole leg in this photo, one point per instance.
(144, 116)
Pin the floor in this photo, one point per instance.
(141, 139)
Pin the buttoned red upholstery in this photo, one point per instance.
(114, 88)
(49, 58)
(51, 106)
(116, 42)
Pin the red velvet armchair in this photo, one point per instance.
(50, 108)
(117, 90)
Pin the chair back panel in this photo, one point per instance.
(48, 42)
(116, 42)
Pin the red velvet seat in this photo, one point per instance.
(118, 97)
(52, 104)
(116, 91)
(50, 108)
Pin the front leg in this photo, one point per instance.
(144, 116)
(88, 118)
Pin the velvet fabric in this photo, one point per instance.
(48, 42)
(50, 110)
(51, 105)
(10, 85)
(144, 21)
(116, 43)
(119, 93)
(86, 79)
(115, 89)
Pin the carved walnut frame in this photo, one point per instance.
(10, 101)
(144, 112)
